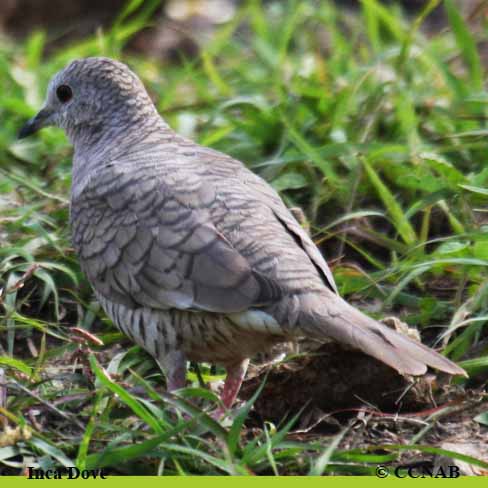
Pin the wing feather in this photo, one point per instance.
(153, 243)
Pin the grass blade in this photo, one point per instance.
(125, 397)
(401, 223)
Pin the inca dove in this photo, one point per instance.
(191, 254)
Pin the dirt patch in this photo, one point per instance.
(336, 388)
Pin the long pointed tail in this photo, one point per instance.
(333, 317)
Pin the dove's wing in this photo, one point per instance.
(257, 218)
(145, 236)
(271, 198)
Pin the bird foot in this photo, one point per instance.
(232, 385)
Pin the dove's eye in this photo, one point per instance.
(64, 93)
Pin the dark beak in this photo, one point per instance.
(33, 125)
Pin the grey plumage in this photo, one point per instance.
(191, 254)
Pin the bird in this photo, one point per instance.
(192, 255)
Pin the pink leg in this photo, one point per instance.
(233, 382)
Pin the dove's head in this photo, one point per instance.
(93, 97)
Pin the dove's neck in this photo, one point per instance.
(94, 149)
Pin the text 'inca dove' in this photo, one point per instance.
(191, 254)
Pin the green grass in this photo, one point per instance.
(376, 130)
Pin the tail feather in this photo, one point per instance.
(335, 318)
